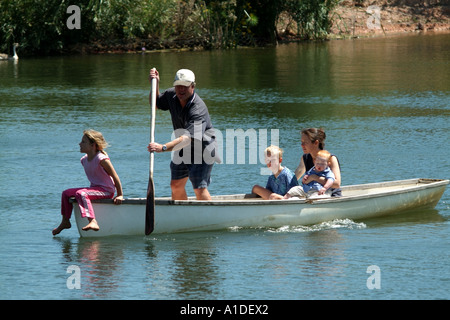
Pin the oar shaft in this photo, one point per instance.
(152, 122)
(150, 206)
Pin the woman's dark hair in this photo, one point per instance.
(316, 134)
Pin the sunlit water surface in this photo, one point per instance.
(384, 104)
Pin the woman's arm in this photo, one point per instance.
(300, 169)
(334, 166)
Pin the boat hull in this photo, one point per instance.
(359, 202)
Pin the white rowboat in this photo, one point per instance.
(245, 210)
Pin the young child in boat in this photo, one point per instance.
(282, 179)
(321, 169)
(103, 177)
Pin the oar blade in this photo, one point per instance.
(150, 208)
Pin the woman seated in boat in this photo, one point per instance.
(282, 179)
(313, 140)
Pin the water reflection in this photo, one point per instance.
(99, 263)
(164, 266)
(384, 106)
(327, 261)
(431, 217)
(299, 260)
(196, 273)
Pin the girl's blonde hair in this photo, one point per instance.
(97, 138)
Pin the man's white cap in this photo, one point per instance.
(184, 77)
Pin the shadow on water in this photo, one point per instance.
(411, 218)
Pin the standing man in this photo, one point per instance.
(195, 140)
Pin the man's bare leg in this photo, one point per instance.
(178, 189)
(202, 194)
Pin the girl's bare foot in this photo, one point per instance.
(92, 225)
(65, 224)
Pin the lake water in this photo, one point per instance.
(385, 106)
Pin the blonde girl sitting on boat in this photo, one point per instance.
(103, 177)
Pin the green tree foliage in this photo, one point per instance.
(312, 16)
(39, 26)
(34, 24)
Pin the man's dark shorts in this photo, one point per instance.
(199, 174)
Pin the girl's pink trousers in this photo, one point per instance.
(84, 197)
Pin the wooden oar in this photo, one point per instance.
(150, 207)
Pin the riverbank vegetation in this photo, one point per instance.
(40, 26)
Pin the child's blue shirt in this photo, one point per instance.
(327, 173)
(285, 181)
